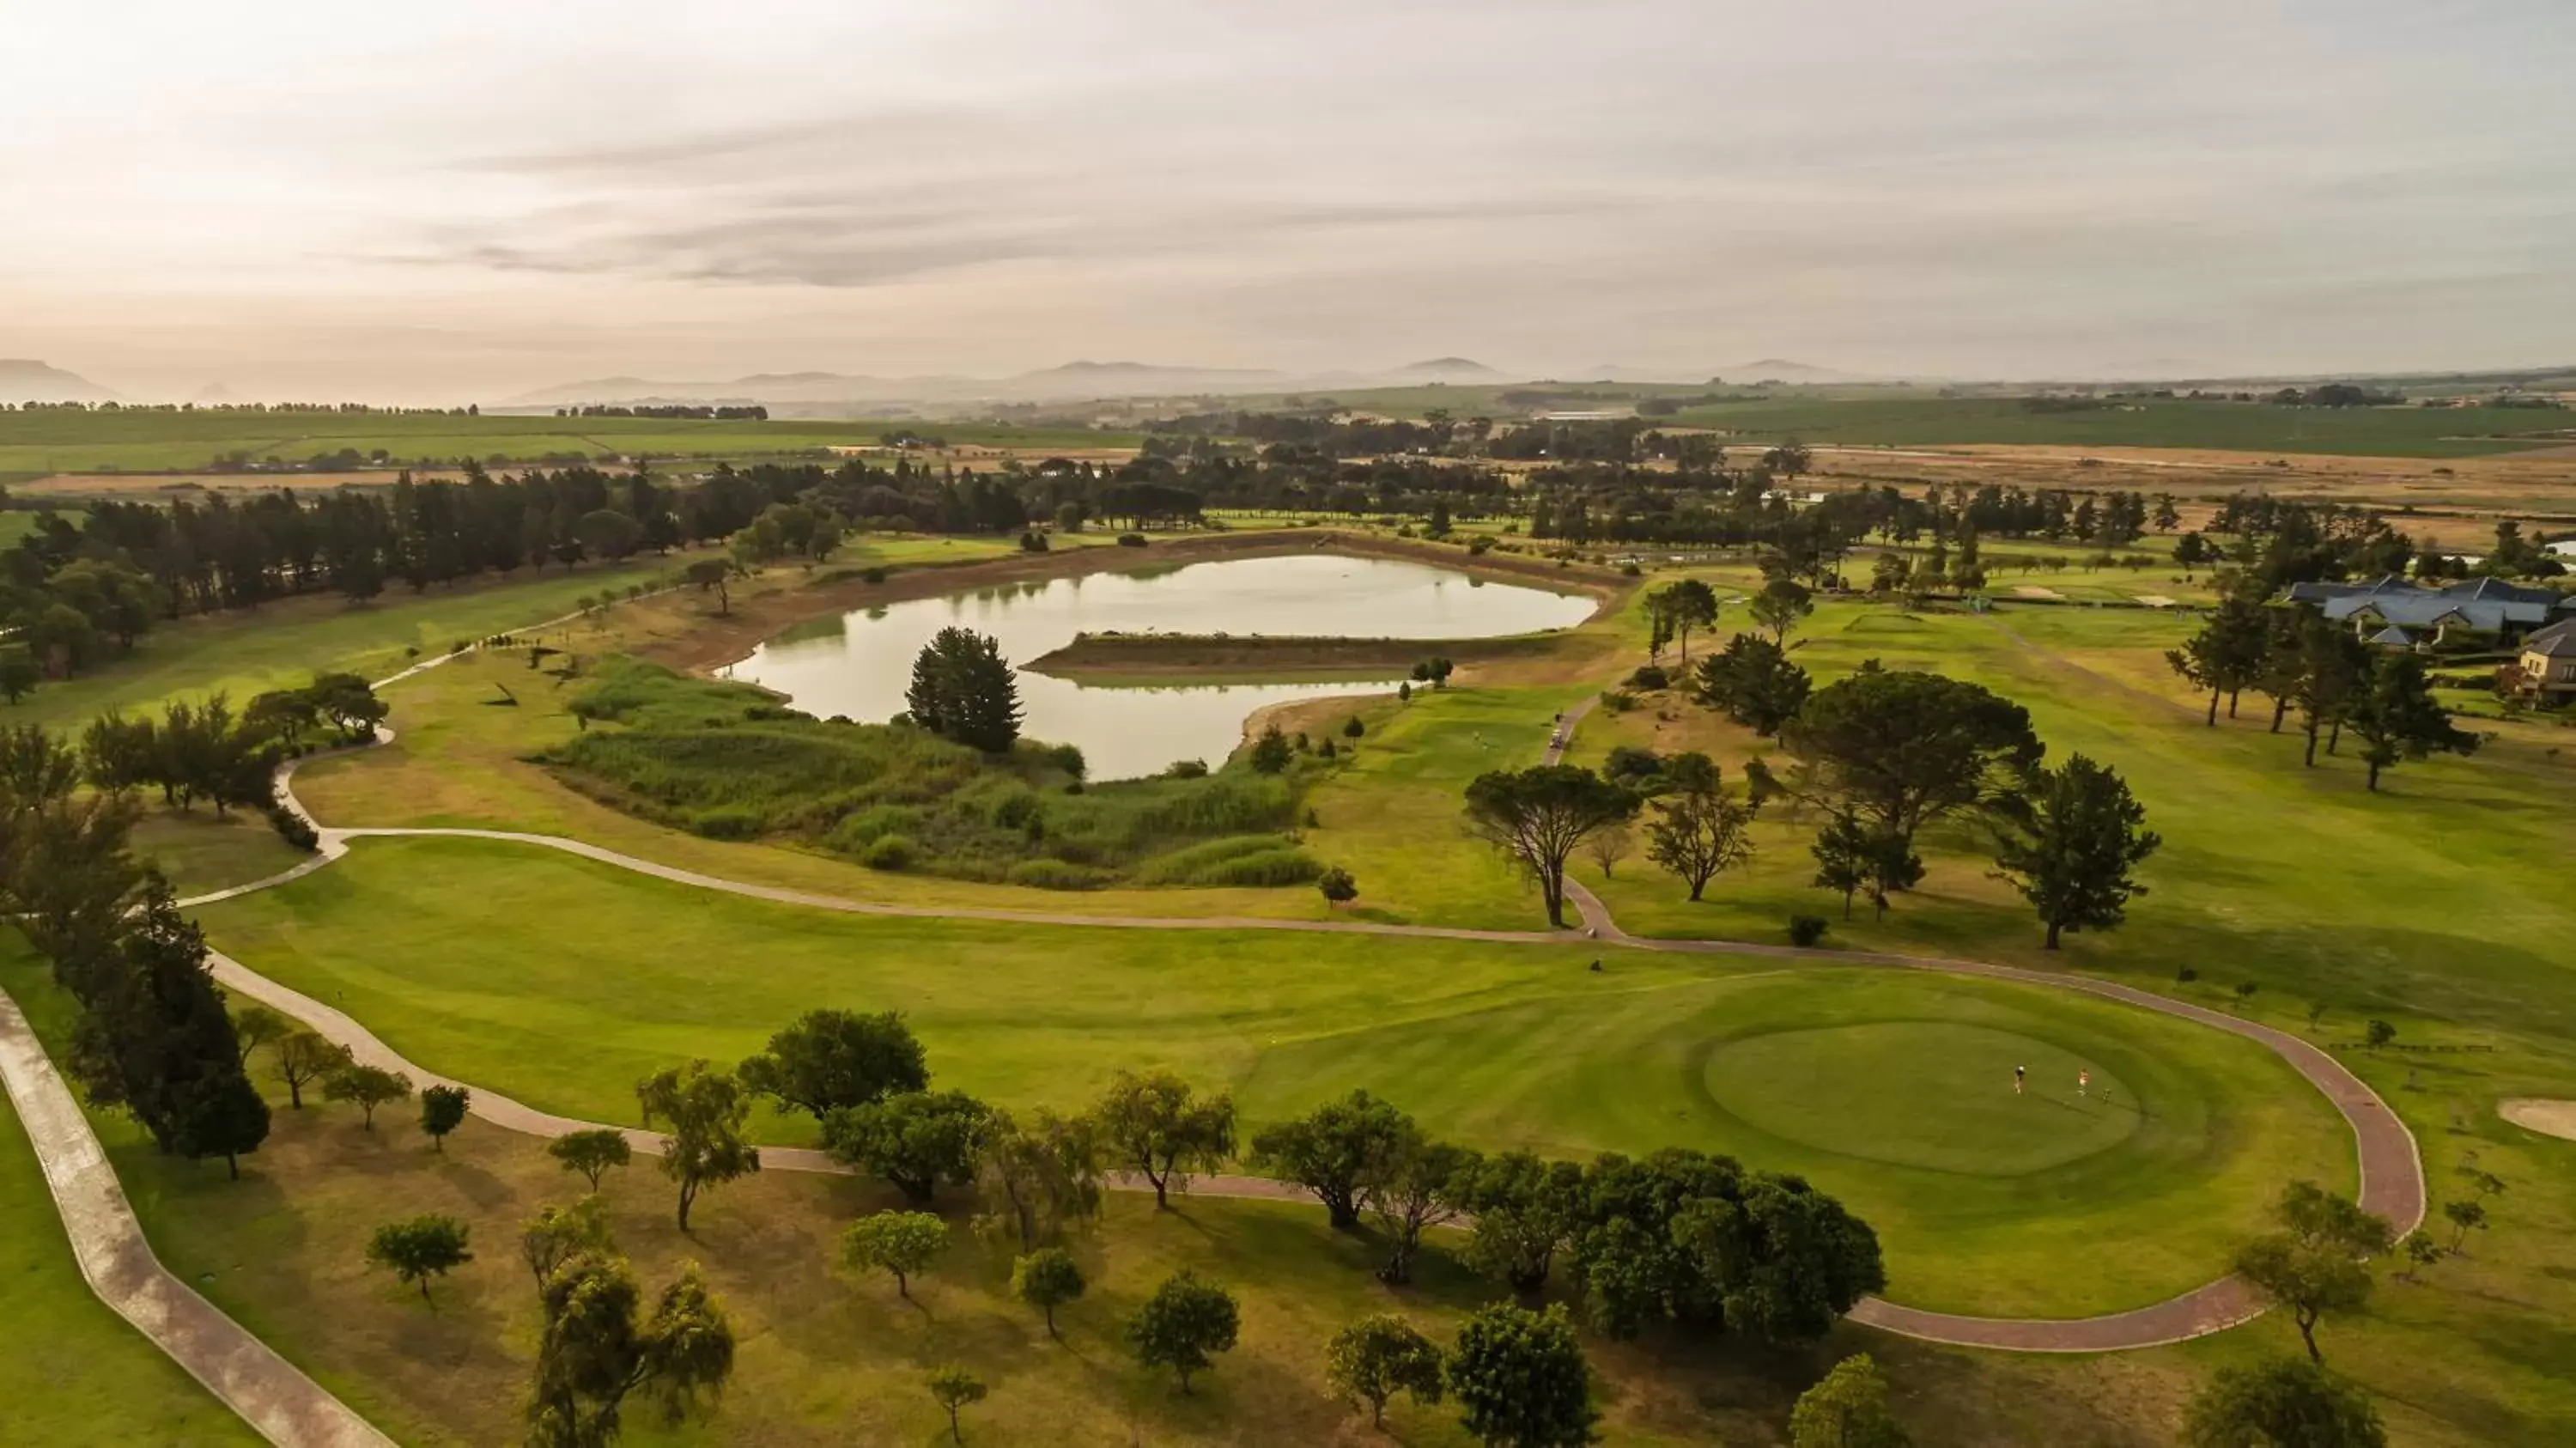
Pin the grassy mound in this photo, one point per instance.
(729, 762)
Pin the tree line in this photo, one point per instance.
(151, 1037)
(2321, 670)
(206, 751)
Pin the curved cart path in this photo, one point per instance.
(270, 1393)
(2391, 1169)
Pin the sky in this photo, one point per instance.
(466, 200)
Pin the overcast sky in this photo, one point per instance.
(467, 199)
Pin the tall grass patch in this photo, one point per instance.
(728, 761)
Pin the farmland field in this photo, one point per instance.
(2232, 426)
(140, 440)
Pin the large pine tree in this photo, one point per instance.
(963, 689)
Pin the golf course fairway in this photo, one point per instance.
(1890, 1088)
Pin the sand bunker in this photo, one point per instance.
(2549, 1118)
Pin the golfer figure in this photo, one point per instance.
(2083, 1083)
(2020, 1074)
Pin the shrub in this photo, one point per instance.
(1131, 540)
(292, 828)
(727, 822)
(1233, 860)
(889, 852)
(872, 575)
(1650, 676)
(1186, 769)
(1626, 570)
(857, 831)
(1627, 764)
(1048, 874)
(1806, 930)
(1033, 542)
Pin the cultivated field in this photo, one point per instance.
(51, 441)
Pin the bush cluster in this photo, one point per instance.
(727, 761)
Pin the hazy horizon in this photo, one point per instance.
(479, 201)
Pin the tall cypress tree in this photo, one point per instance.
(154, 1038)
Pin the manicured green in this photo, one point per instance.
(1917, 1094)
(481, 959)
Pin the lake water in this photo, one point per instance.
(860, 663)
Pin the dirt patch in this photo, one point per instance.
(2532, 1113)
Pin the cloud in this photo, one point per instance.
(1986, 185)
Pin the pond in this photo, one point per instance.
(859, 663)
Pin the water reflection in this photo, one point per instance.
(859, 663)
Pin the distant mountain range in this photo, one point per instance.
(1781, 369)
(27, 380)
(1073, 382)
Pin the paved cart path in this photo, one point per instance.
(2392, 1173)
(270, 1393)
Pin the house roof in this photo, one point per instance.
(2394, 637)
(2485, 604)
(2564, 628)
(2558, 646)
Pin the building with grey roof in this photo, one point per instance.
(2392, 605)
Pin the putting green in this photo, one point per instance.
(561, 981)
(1832, 1088)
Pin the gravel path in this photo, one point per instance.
(2392, 1173)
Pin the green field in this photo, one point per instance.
(245, 652)
(828, 1358)
(1504, 1046)
(1893, 415)
(48, 440)
(2224, 426)
(2297, 880)
(2436, 904)
(75, 1373)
